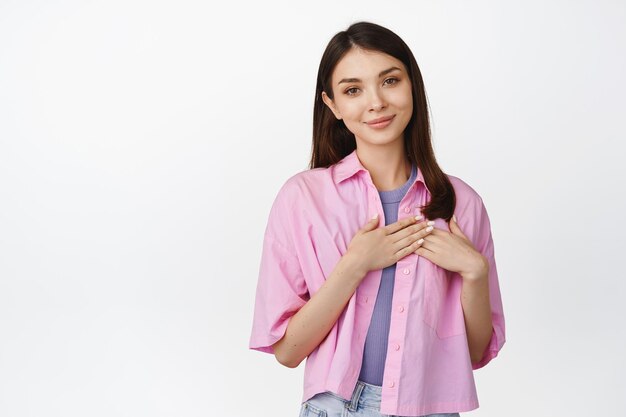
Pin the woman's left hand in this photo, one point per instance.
(454, 251)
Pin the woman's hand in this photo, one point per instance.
(374, 247)
(454, 251)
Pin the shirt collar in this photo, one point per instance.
(351, 165)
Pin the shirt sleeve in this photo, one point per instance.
(281, 289)
(484, 244)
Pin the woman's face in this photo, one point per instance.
(366, 88)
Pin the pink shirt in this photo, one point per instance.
(428, 368)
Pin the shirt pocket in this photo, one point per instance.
(442, 309)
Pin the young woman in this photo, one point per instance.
(393, 318)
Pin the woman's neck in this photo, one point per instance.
(389, 168)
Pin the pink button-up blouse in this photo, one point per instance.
(311, 222)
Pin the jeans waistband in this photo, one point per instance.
(365, 395)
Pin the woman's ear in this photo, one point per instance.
(330, 105)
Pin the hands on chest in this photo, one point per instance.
(374, 247)
(454, 251)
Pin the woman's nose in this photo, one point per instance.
(376, 101)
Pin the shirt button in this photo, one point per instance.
(391, 384)
(407, 209)
(406, 271)
(401, 309)
(396, 346)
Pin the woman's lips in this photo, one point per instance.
(383, 124)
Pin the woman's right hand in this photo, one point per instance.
(374, 247)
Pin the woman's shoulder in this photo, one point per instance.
(465, 193)
(304, 183)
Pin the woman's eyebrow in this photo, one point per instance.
(357, 80)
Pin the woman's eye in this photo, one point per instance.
(394, 79)
(348, 91)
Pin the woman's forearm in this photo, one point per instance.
(477, 313)
(311, 324)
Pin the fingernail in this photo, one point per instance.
(430, 223)
(375, 216)
(429, 228)
(418, 217)
(454, 218)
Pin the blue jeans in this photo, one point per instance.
(365, 402)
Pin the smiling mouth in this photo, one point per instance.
(381, 124)
(380, 120)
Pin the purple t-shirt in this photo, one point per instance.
(376, 341)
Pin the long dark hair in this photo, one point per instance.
(331, 138)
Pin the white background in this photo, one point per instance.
(142, 144)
